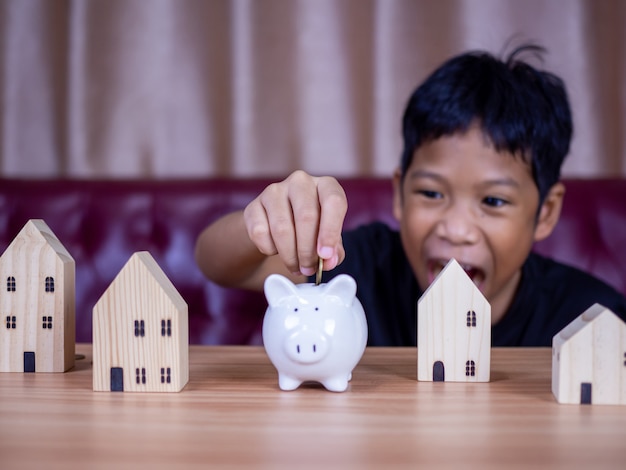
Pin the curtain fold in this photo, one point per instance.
(244, 88)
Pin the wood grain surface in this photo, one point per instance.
(232, 414)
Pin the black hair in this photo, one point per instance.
(521, 110)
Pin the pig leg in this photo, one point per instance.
(336, 384)
(288, 383)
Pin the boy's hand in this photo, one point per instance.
(300, 219)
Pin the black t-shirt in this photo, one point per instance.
(549, 297)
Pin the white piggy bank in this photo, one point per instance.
(314, 333)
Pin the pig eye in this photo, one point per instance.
(295, 309)
(316, 309)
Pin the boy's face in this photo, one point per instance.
(462, 199)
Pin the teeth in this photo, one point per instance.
(474, 274)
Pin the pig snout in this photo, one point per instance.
(306, 346)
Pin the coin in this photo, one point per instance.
(318, 275)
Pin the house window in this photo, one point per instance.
(166, 375)
(140, 328)
(166, 327)
(11, 322)
(471, 318)
(46, 322)
(140, 375)
(49, 284)
(470, 369)
(10, 284)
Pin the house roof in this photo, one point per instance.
(144, 261)
(453, 273)
(38, 229)
(585, 319)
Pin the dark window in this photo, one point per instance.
(140, 375)
(471, 318)
(140, 328)
(166, 327)
(470, 368)
(46, 322)
(166, 375)
(625, 359)
(10, 284)
(49, 284)
(11, 321)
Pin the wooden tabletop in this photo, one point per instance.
(232, 414)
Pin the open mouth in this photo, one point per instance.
(436, 266)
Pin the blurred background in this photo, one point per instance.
(247, 88)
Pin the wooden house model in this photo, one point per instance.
(140, 332)
(453, 329)
(589, 359)
(37, 299)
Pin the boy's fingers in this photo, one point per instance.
(334, 205)
(279, 213)
(258, 228)
(301, 220)
(306, 213)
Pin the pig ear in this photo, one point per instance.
(342, 286)
(278, 287)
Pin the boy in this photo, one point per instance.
(484, 141)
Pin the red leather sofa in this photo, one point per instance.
(102, 223)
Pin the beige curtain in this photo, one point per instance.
(191, 88)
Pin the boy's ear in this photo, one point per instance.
(397, 194)
(550, 212)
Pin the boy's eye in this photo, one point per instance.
(430, 194)
(492, 201)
